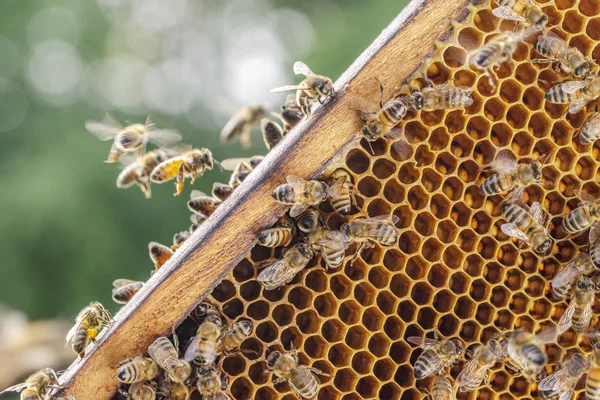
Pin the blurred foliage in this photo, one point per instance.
(66, 231)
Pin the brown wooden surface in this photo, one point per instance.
(224, 239)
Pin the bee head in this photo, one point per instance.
(272, 359)
(536, 166)
(246, 327)
(542, 20)
(325, 87)
(545, 243)
(305, 249)
(371, 130)
(583, 69)
(458, 346)
(416, 100)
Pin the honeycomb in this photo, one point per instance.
(453, 269)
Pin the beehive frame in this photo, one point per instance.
(452, 262)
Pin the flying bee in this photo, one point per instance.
(221, 191)
(290, 114)
(202, 204)
(477, 368)
(139, 369)
(525, 351)
(138, 171)
(556, 50)
(365, 231)
(159, 254)
(495, 53)
(590, 130)
(139, 391)
(440, 97)
(276, 237)
(562, 383)
(437, 354)
(240, 125)
(132, 138)
(124, 289)
(529, 226)
(578, 314)
(179, 238)
(232, 337)
(301, 194)
(87, 324)
(341, 199)
(271, 131)
(37, 386)
(440, 390)
(512, 176)
(315, 88)
(241, 168)
(521, 11)
(575, 93)
(580, 265)
(190, 164)
(211, 384)
(282, 271)
(204, 347)
(592, 382)
(301, 378)
(584, 216)
(166, 355)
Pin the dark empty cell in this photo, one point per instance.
(416, 267)
(283, 314)
(399, 285)
(585, 168)
(376, 148)
(438, 275)
(593, 28)
(461, 214)
(443, 300)
(367, 387)
(393, 192)
(258, 310)
(243, 271)
(510, 91)
(425, 223)
(316, 280)
(564, 4)
(373, 319)
(478, 127)
(345, 379)
(422, 293)
(300, 297)
(454, 57)
(427, 318)
(591, 8)
(561, 133)
(379, 345)
(438, 139)
(533, 98)
(573, 22)
(453, 257)
(404, 215)
(543, 147)
(266, 331)
(487, 248)
(383, 168)
(364, 293)
(453, 188)
(333, 331)
(479, 290)
(291, 338)
(393, 327)
(369, 187)
(432, 250)
(415, 132)
(249, 290)
(325, 305)
(417, 198)
(514, 279)
(233, 309)
(252, 348)
(408, 174)
(461, 145)
(448, 325)
(357, 161)
(379, 277)
(407, 310)
(348, 396)
(445, 163)
(455, 121)
(308, 321)
(386, 302)
(493, 272)
(362, 362)
(393, 260)
(431, 180)
(494, 109)
(517, 116)
(356, 337)
(525, 73)
(467, 240)
(469, 39)
(423, 156)
(241, 388)
(484, 314)
(341, 286)
(399, 352)
(459, 283)
(540, 309)
(539, 126)
(234, 365)
(256, 373)
(224, 291)
(349, 312)
(439, 206)
(484, 152)
(274, 295)
(499, 297)
(464, 307)
(259, 254)
(357, 271)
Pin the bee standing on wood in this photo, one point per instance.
(577, 94)
(241, 168)
(301, 194)
(581, 218)
(301, 378)
(279, 272)
(37, 386)
(521, 11)
(529, 226)
(202, 204)
(240, 125)
(315, 88)
(125, 289)
(556, 50)
(437, 355)
(189, 164)
(139, 369)
(87, 324)
(159, 254)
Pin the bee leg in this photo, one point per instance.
(180, 179)
(357, 254)
(113, 155)
(145, 187)
(278, 380)
(317, 371)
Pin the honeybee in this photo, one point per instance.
(555, 49)
(166, 356)
(241, 168)
(211, 384)
(578, 314)
(124, 289)
(529, 226)
(271, 131)
(196, 220)
(437, 354)
(87, 324)
(522, 11)
(301, 378)
(562, 383)
(342, 199)
(174, 390)
(495, 53)
(592, 382)
(276, 237)
(290, 114)
(132, 138)
(189, 164)
(590, 130)
(581, 218)
(315, 88)
(204, 347)
(240, 125)
(138, 369)
(138, 170)
(594, 245)
(202, 204)
(331, 244)
(526, 351)
(159, 254)
(232, 337)
(309, 220)
(365, 231)
(476, 369)
(139, 391)
(301, 194)
(221, 191)
(440, 97)
(440, 390)
(512, 176)
(282, 271)
(179, 238)
(580, 265)
(575, 93)
(37, 386)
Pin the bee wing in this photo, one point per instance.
(218, 396)
(192, 352)
(507, 13)
(566, 275)
(594, 234)
(72, 331)
(194, 194)
(336, 188)
(333, 240)
(422, 342)
(104, 130)
(538, 213)
(301, 68)
(119, 283)
(504, 163)
(513, 231)
(565, 320)
(16, 388)
(276, 273)
(468, 369)
(287, 88)
(164, 137)
(298, 209)
(572, 86)
(235, 126)
(567, 394)
(553, 381)
(393, 134)
(231, 164)
(577, 106)
(297, 183)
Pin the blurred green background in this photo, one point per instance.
(66, 230)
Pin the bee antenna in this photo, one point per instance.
(218, 164)
(371, 147)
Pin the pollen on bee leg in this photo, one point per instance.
(178, 187)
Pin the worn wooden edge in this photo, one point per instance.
(227, 236)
